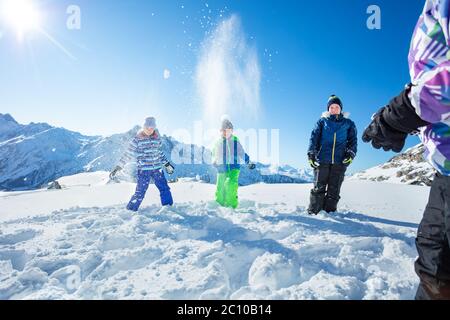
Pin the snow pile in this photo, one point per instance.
(196, 250)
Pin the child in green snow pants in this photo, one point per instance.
(227, 188)
(228, 155)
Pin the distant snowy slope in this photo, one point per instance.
(408, 168)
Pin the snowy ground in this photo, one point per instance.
(80, 243)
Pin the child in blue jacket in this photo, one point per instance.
(332, 148)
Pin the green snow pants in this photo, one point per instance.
(227, 188)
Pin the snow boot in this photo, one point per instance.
(317, 200)
(331, 204)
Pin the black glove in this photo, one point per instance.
(169, 168)
(113, 173)
(313, 160)
(251, 166)
(348, 158)
(391, 125)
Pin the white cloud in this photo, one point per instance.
(228, 73)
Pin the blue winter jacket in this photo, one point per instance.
(333, 139)
(146, 151)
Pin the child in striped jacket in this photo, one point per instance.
(146, 150)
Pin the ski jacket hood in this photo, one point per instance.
(327, 114)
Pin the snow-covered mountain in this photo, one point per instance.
(33, 155)
(9, 128)
(409, 167)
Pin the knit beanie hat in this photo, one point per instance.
(150, 123)
(226, 124)
(334, 100)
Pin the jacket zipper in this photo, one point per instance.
(229, 153)
(334, 147)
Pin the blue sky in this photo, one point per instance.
(307, 50)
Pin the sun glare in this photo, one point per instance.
(22, 15)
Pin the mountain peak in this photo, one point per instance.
(409, 167)
(7, 117)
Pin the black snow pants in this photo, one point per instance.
(328, 180)
(433, 244)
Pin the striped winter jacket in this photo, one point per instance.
(429, 61)
(146, 152)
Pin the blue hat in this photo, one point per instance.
(150, 123)
(334, 100)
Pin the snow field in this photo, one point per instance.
(267, 249)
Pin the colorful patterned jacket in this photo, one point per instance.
(429, 61)
(146, 152)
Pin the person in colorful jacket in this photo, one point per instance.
(146, 150)
(332, 148)
(424, 107)
(228, 156)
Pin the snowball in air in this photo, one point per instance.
(166, 74)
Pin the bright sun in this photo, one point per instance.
(22, 15)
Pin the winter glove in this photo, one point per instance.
(313, 161)
(251, 166)
(391, 125)
(347, 161)
(349, 157)
(113, 173)
(169, 168)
